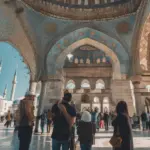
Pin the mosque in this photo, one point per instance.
(6, 104)
(96, 49)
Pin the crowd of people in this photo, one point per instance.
(66, 123)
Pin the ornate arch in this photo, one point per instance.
(115, 61)
(143, 44)
(88, 36)
(70, 83)
(99, 83)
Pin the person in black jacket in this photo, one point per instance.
(63, 117)
(122, 122)
(86, 131)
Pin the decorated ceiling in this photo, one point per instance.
(50, 36)
(64, 42)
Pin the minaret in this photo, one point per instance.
(14, 83)
(5, 92)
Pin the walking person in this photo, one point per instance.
(106, 120)
(86, 139)
(49, 121)
(8, 119)
(25, 121)
(144, 120)
(43, 122)
(63, 117)
(101, 124)
(122, 125)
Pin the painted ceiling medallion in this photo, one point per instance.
(66, 42)
(51, 27)
(123, 27)
(81, 33)
(92, 33)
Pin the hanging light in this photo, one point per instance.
(69, 56)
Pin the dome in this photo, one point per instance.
(85, 9)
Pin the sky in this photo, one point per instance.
(11, 61)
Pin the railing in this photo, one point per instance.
(85, 9)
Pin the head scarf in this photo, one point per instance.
(86, 116)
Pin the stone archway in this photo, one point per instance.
(115, 61)
(28, 57)
(88, 36)
(144, 45)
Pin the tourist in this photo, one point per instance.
(94, 115)
(25, 121)
(144, 120)
(16, 116)
(43, 121)
(86, 131)
(101, 120)
(98, 121)
(106, 120)
(49, 121)
(123, 126)
(8, 119)
(148, 117)
(63, 117)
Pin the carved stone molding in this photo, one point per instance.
(77, 13)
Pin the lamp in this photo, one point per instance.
(69, 56)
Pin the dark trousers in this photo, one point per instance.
(24, 134)
(106, 125)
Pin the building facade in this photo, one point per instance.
(109, 41)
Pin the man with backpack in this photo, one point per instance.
(63, 116)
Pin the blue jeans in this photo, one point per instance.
(56, 145)
(86, 146)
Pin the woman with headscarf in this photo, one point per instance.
(86, 139)
(25, 121)
(122, 127)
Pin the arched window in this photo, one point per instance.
(70, 85)
(85, 84)
(100, 84)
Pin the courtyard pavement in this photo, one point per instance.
(9, 140)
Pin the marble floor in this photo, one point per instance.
(9, 140)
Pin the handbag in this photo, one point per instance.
(116, 139)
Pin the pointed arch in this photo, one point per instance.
(70, 85)
(114, 59)
(85, 84)
(100, 84)
(87, 35)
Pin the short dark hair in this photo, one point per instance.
(122, 108)
(67, 97)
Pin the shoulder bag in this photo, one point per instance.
(116, 139)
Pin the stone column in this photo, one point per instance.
(42, 94)
(121, 91)
(32, 87)
(138, 99)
